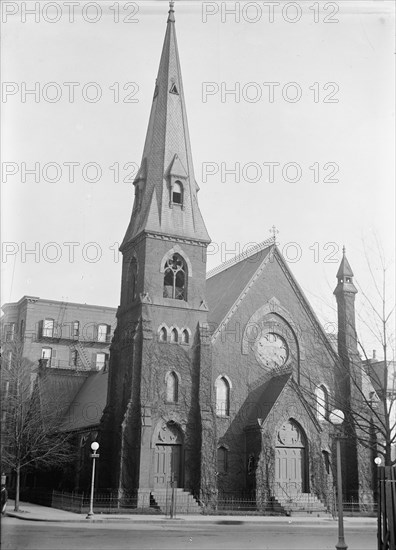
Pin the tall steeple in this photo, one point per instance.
(165, 187)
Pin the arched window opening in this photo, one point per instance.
(172, 387)
(326, 458)
(162, 335)
(175, 278)
(185, 337)
(132, 279)
(322, 403)
(177, 193)
(222, 397)
(222, 460)
(174, 336)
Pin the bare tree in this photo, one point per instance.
(31, 418)
(370, 409)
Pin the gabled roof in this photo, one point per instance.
(87, 407)
(225, 284)
(228, 284)
(265, 397)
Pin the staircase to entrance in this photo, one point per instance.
(185, 502)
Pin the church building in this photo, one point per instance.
(219, 383)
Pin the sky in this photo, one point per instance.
(291, 116)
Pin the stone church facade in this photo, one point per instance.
(219, 383)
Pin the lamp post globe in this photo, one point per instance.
(95, 446)
(336, 417)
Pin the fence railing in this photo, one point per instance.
(110, 502)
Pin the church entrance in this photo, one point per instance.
(290, 461)
(168, 456)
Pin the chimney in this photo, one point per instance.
(374, 354)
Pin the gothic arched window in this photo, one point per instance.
(185, 337)
(132, 279)
(322, 402)
(175, 278)
(174, 336)
(177, 193)
(222, 396)
(162, 335)
(172, 387)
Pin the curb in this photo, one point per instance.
(185, 521)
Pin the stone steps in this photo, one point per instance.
(185, 502)
(304, 502)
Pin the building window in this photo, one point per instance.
(9, 359)
(322, 403)
(222, 396)
(326, 458)
(10, 332)
(132, 279)
(48, 328)
(76, 329)
(174, 337)
(100, 360)
(177, 193)
(172, 387)
(175, 278)
(185, 337)
(222, 460)
(103, 333)
(162, 335)
(46, 353)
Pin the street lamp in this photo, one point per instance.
(337, 418)
(94, 455)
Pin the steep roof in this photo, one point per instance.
(166, 155)
(266, 396)
(88, 405)
(225, 284)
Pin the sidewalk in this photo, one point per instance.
(35, 512)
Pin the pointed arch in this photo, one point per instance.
(172, 382)
(185, 336)
(175, 277)
(322, 402)
(223, 390)
(163, 333)
(132, 279)
(174, 335)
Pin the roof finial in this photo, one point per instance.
(274, 232)
(343, 250)
(171, 11)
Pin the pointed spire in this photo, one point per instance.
(345, 269)
(167, 158)
(345, 276)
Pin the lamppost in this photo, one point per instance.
(94, 455)
(337, 418)
(378, 462)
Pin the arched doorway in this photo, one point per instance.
(168, 456)
(291, 464)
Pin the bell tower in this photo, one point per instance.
(348, 374)
(160, 353)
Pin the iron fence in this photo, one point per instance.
(110, 502)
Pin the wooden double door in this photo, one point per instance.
(167, 465)
(290, 459)
(168, 455)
